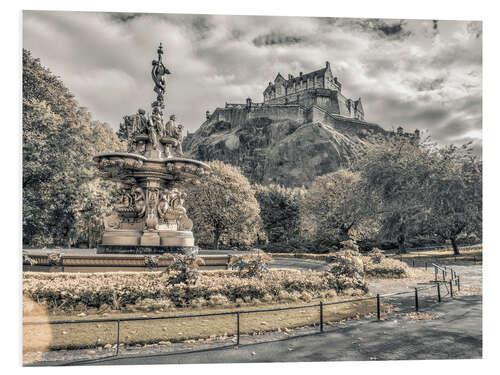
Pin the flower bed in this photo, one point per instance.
(68, 292)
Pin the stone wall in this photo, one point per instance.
(343, 124)
(281, 144)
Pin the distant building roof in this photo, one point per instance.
(301, 77)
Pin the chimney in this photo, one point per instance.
(301, 74)
(207, 113)
(327, 64)
(290, 77)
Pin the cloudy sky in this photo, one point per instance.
(418, 74)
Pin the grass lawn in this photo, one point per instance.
(441, 256)
(86, 335)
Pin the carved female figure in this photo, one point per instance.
(139, 202)
(163, 205)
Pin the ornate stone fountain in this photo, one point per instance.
(150, 218)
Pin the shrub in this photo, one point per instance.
(65, 291)
(376, 255)
(387, 267)
(218, 300)
(253, 265)
(348, 262)
(184, 268)
(376, 264)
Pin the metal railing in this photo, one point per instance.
(454, 280)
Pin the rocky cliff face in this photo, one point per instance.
(287, 151)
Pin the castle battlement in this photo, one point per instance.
(319, 88)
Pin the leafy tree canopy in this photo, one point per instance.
(224, 209)
(338, 207)
(455, 195)
(279, 210)
(61, 194)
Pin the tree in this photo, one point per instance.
(279, 210)
(60, 185)
(338, 208)
(224, 209)
(455, 196)
(398, 171)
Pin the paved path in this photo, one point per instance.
(301, 264)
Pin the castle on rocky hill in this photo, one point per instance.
(304, 128)
(310, 97)
(319, 88)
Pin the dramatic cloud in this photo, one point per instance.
(274, 38)
(424, 74)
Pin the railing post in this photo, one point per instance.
(439, 291)
(444, 275)
(321, 316)
(426, 266)
(413, 263)
(237, 328)
(451, 289)
(117, 336)
(458, 283)
(416, 299)
(435, 273)
(378, 306)
(451, 273)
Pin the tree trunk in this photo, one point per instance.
(454, 244)
(216, 239)
(402, 239)
(401, 244)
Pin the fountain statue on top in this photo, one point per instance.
(151, 217)
(150, 136)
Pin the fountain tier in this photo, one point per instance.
(151, 217)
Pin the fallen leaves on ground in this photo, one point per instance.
(417, 316)
(475, 290)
